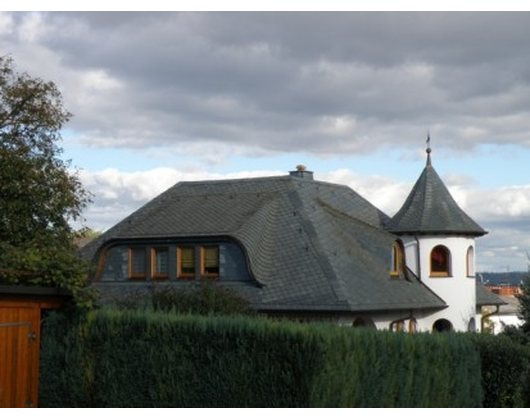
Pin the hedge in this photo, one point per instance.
(505, 368)
(145, 359)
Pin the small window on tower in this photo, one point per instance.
(398, 259)
(440, 262)
(470, 262)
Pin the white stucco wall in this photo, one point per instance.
(503, 320)
(457, 290)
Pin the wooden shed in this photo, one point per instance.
(20, 319)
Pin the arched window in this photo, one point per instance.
(398, 259)
(397, 326)
(471, 325)
(440, 261)
(442, 325)
(470, 262)
(363, 322)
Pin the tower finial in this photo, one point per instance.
(428, 149)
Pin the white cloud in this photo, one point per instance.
(32, 28)
(6, 23)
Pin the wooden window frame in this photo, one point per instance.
(132, 251)
(180, 273)
(203, 262)
(154, 272)
(440, 273)
(398, 256)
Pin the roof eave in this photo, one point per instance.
(433, 232)
(348, 308)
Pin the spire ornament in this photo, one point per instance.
(429, 150)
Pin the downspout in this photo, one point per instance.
(484, 317)
(418, 262)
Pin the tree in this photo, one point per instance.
(39, 195)
(524, 303)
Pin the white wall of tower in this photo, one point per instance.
(457, 289)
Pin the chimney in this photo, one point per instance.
(302, 172)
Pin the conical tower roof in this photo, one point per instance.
(430, 209)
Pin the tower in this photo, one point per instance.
(439, 242)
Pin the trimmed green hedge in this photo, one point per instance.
(146, 359)
(505, 371)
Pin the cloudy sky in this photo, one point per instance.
(163, 97)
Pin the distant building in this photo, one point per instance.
(304, 249)
(508, 314)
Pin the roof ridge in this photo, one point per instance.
(331, 209)
(231, 180)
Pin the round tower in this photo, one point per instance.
(439, 242)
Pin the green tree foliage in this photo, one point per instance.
(524, 303)
(39, 195)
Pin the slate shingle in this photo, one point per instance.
(430, 209)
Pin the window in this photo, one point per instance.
(398, 256)
(160, 262)
(471, 325)
(397, 326)
(210, 261)
(136, 263)
(440, 261)
(442, 325)
(413, 325)
(186, 262)
(363, 322)
(470, 262)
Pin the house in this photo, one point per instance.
(508, 315)
(304, 249)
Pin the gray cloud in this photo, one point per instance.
(285, 81)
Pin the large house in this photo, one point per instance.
(305, 249)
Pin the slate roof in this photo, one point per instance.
(487, 298)
(430, 209)
(310, 245)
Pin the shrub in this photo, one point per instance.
(505, 370)
(206, 297)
